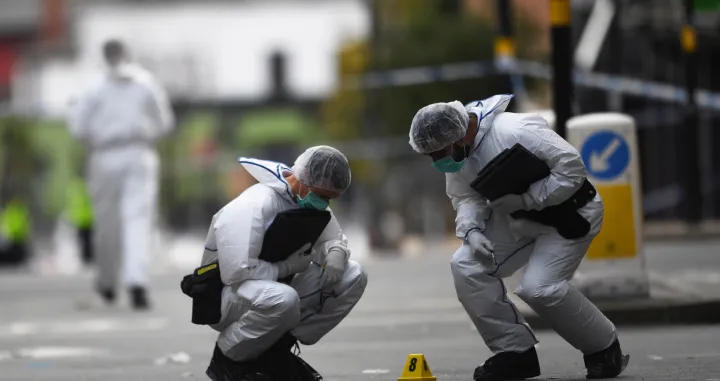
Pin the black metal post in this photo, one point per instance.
(504, 45)
(693, 191)
(561, 62)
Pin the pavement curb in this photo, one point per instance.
(650, 313)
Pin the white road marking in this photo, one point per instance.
(82, 326)
(376, 371)
(693, 355)
(655, 357)
(59, 352)
(176, 358)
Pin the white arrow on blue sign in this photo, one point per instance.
(606, 155)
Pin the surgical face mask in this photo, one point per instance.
(453, 163)
(312, 201)
(448, 165)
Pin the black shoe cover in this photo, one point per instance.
(307, 372)
(139, 298)
(281, 358)
(108, 295)
(509, 366)
(222, 368)
(608, 363)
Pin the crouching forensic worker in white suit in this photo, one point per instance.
(461, 140)
(263, 319)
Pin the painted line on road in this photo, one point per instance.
(376, 371)
(59, 352)
(52, 352)
(692, 355)
(82, 327)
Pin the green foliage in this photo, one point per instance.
(63, 158)
(19, 156)
(416, 33)
(274, 126)
(183, 155)
(433, 41)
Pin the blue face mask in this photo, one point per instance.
(448, 165)
(312, 201)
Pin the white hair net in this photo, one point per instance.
(437, 126)
(323, 167)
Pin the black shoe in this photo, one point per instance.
(108, 295)
(307, 372)
(283, 365)
(138, 298)
(222, 368)
(509, 366)
(608, 363)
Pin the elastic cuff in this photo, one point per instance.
(342, 252)
(282, 269)
(468, 232)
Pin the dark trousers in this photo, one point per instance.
(85, 238)
(14, 254)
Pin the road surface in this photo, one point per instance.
(409, 307)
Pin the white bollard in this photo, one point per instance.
(614, 266)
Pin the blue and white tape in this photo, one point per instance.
(473, 70)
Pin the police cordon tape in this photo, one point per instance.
(474, 70)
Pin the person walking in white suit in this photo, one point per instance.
(119, 120)
(461, 140)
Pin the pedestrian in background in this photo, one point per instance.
(119, 120)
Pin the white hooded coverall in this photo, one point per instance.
(119, 120)
(551, 259)
(256, 309)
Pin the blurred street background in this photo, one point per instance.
(267, 79)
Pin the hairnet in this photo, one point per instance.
(323, 167)
(437, 126)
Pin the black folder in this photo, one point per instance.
(510, 172)
(513, 171)
(291, 230)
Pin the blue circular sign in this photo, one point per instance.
(606, 155)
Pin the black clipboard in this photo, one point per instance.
(510, 172)
(290, 230)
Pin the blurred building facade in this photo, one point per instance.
(201, 51)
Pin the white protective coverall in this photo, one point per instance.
(256, 309)
(551, 259)
(119, 120)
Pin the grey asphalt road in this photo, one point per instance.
(409, 307)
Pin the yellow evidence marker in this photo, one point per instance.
(417, 369)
